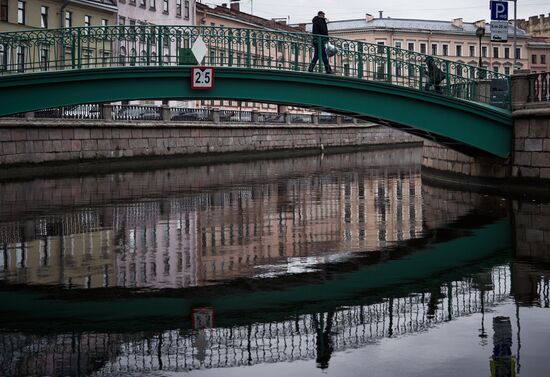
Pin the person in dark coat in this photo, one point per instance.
(320, 37)
(435, 75)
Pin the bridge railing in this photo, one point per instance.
(539, 87)
(153, 45)
(182, 114)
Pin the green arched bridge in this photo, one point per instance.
(468, 111)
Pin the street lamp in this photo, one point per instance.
(480, 32)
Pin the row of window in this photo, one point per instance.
(534, 59)
(459, 51)
(165, 6)
(44, 16)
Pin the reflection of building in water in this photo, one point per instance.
(314, 336)
(69, 251)
(199, 238)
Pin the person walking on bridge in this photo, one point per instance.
(320, 39)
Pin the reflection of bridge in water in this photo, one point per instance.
(304, 337)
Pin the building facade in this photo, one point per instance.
(539, 54)
(232, 17)
(455, 40)
(536, 26)
(156, 12)
(51, 14)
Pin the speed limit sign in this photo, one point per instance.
(202, 78)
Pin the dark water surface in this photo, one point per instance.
(343, 265)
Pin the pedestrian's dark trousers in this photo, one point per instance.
(316, 57)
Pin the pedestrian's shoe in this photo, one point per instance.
(310, 69)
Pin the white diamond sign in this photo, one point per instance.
(199, 50)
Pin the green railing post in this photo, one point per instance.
(320, 54)
(160, 57)
(420, 76)
(73, 51)
(79, 48)
(388, 63)
(360, 68)
(149, 48)
(248, 49)
(230, 49)
(296, 53)
(447, 78)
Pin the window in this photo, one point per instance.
(472, 51)
(495, 68)
(152, 4)
(495, 52)
(507, 70)
(87, 20)
(397, 44)
(410, 46)
(533, 59)
(423, 48)
(121, 20)
(165, 6)
(459, 50)
(122, 56)
(21, 12)
(104, 22)
(178, 8)
(20, 54)
(3, 10)
(518, 53)
(44, 17)
(434, 48)
(507, 52)
(3, 58)
(44, 57)
(68, 19)
(484, 51)
(380, 46)
(142, 3)
(543, 59)
(445, 50)
(186, 8)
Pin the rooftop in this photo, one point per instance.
(247, 18)
(410, 25)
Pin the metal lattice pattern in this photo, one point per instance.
(300, 338)
(153, 45)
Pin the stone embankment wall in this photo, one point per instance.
(32, 141)
(530, 158)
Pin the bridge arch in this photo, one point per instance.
(466, 126)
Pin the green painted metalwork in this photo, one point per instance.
(110, 46)
(380, 83)
(465, 126)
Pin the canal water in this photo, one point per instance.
(338, 264)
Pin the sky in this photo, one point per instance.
(296, 11)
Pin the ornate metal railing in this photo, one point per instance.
(153, 45)
(183, 114)
(539, 87)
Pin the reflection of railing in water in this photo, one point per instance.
(304, 338)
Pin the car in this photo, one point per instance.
(138, 113)
(190, 115)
